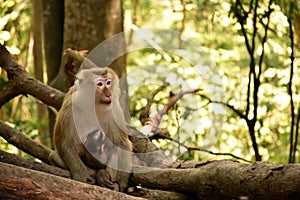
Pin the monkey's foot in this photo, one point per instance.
(103, 180)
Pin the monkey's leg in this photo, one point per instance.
(119, 167)
(112, 170)
(124, 168)
(56, 160)
(78, 170)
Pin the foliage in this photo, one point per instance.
(210, 24)
(15, 33)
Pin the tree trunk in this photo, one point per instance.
(38, 68)
(53, 11)
(87, 24)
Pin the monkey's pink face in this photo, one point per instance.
(103, 91)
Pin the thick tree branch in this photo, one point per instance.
(23, 83)
(31, 164)
(8, 93)
(140, 192)
(226, 179)
(25, 143)
(28, 184)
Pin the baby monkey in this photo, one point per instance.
(91, 131)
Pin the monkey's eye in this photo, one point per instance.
(108, 82)
(100, 83)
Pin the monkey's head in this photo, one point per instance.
(104, 79)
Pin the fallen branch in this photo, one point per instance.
(226, 179)
(28, 184)
(30, 164)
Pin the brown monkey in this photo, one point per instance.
(91, 131)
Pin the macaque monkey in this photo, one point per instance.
(91, 131)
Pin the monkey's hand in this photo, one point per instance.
(91, 179)
(83, 174)
(104, 180)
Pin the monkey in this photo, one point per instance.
(90, 130)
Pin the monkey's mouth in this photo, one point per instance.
(108, 98)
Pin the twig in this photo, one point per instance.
(164, 136)
(293, 146)
(152, 123)
(173, 101)
(145, 113)
(239, 113)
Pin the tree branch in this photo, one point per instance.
(25, 143)
(226, 179)
(28, 184)
(153, 122)
(165, 136)
(23, 83)
(145, 113)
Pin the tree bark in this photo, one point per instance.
(227, 179)
(28, 184)
(139, 192)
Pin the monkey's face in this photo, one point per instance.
(103, 80)
(103, 90)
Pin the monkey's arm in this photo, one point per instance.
(67, 144)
